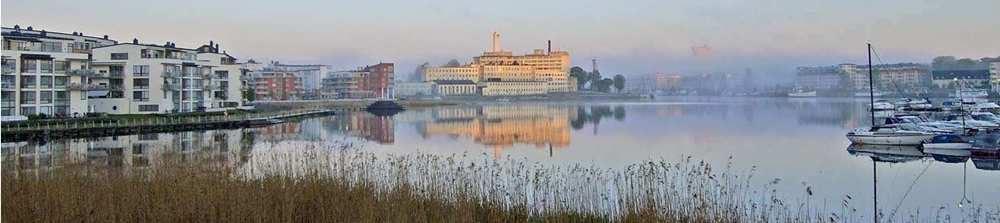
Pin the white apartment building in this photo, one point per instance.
(146, 79)
(995, 76)
(44, 72)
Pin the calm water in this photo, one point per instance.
(799, 143)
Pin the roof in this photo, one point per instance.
(453, 82)
(54, 32)
(144, 44)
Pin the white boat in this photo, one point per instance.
(883, 105)
(947, 142)
(970, 94)
(802, 94)
(888, 135)
(869, 94)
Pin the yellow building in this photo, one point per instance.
(551, 68)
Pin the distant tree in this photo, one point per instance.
(453, 63)
(604, 85)
(619, 83)
(943, 62)
(581, 76)
(418, 73)
(249, 94)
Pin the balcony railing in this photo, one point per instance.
(84, 72)
(87, 87)
(171, 74)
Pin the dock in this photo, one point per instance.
(75, 129)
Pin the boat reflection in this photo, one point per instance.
(902, 154)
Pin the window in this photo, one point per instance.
(9, 65)
(27, 111)
(116, 71)
(45, 97)
(119, 56)
(140, 96)
(51, 47)
(29, 66)
(149, 108)
(61, 67)
(27, 97)
(62, 96)
(28, 81)
(221, 74)
(61, 81)
(46, 66)
(140, 70)
(140, 83)
(46, 82)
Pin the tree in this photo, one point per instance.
(581, 77)
(619, 83)
(604, 85)
(249, 94)
(453, 63)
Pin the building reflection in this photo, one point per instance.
(501, 127)
(230, 147)
(364, 125)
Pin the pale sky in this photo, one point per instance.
(771, 37)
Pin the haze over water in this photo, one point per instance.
(797, 143)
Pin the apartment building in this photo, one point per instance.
(137, 78)
(312, 76)
(374, 81)
(45, 72)
(277, 86)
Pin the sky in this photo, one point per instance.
(770, 37)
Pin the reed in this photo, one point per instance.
(346, 185)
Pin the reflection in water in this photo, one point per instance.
(377, 128)
(903, 154)
(502, 126)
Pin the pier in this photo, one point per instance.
(73, 129)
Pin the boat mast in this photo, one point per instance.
(871, 85)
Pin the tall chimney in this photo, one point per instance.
(496, 42)
(550, 46)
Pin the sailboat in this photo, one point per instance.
(887, 134)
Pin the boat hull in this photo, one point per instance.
(914, 139)
(947, 146)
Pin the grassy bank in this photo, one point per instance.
(316, 185)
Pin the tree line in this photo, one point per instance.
(594, 82)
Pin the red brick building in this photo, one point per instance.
(377, 79)
(277, 86)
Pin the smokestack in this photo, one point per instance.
(550, 46)
(496, 42)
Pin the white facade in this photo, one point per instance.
(149, 79)
(404, 89)
(44, 72)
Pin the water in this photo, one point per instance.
(798, 143)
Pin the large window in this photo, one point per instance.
(28, 81)
(9, 65)
(60, 81)
(45, 97)
(29, 66)
(46, 66)
(45, 82)
(149, 108)
(62, 96)
(27, 111)
(119, 56)
(27, 97)
(51, 47)
(61, 67)
(140, 70)
(116, 71)
(140, 83)
(221, 74)
(140, 96)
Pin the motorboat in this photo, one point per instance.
(970, 122)
(869, 94)
(802, 94)
(896, 134)
(970, 94)
(883, 105)
(914, 104)
(948, 142)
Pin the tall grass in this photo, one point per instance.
(346, 185)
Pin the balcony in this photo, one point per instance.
(84, 73)
(171, 74)
(171, 87)
(117, 74)
(87, 87)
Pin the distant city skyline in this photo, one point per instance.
(770, 37)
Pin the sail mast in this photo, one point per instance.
(871, 85)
